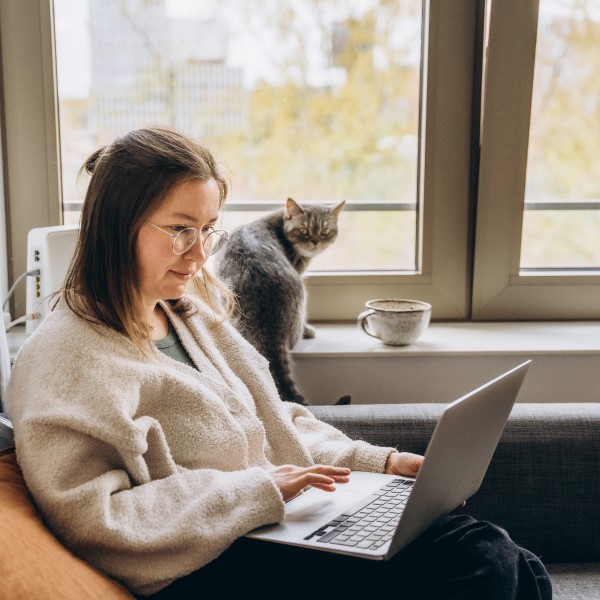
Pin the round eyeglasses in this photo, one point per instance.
(213, 239)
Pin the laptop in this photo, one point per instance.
(376, 515)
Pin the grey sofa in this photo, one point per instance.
(543, 484)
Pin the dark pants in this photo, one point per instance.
(457, 558)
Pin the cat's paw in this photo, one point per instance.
(309, 332)
(344, 401)
(299, 400)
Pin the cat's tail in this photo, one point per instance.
(343, 401)
(280, 365)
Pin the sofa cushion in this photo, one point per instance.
(542, 484)
(7, 438)
(33, 564)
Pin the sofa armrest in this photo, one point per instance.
(7, 439)
(543, 484)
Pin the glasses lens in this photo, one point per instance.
(215, 241)
(185, 240)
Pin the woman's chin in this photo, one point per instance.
(176, 292)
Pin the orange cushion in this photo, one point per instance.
(33, 563)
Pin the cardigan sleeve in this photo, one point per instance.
(330, 446)
(144, 534)
(103, 475)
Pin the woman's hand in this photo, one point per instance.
(291, 480)
(403, 463)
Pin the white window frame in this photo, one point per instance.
(501, 291)
(32, 180)
(450, 43)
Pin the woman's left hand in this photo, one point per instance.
(403, 463)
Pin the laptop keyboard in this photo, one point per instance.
(371, 523)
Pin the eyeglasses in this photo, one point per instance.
(213, 240)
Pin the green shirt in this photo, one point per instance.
(172, 347)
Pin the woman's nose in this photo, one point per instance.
(197, 252)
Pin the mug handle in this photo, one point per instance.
(362, 321)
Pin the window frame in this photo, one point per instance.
(460, 277)
(31, 155)
(444, 192)
(444, 184)
(501, 290)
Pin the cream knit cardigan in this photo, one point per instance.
(147, 468)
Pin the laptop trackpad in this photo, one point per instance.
(307, 512)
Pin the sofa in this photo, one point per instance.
(543, 486)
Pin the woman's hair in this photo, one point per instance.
(129, 179)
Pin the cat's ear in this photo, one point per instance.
(336, 210)
(292, 209)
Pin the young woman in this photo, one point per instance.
(151, 434)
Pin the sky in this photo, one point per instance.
(73, 48)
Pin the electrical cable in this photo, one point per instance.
(14, 285)
(31, 317)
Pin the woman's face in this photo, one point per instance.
(164, 275)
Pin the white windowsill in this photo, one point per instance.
(472, 338)
(449, 360)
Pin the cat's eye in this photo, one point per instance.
(303, 232)
(325, 232)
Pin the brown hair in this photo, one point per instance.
(129, 178)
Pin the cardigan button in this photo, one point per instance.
(233, 403)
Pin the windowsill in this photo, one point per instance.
(449, 360)
(459, 339)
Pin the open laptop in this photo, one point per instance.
(376, 515)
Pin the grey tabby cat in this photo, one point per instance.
(263, 263)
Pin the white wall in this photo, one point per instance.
(435, 379)
(3, 240)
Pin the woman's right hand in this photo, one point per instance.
(292, 480)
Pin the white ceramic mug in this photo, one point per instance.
(395, 321)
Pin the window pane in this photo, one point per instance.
(313, 99)
(562, 197)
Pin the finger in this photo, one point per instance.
(325, 488)
(328, 470)
(315, 478)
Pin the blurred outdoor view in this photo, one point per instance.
(319, 100)
(562, 227)
(313, 99)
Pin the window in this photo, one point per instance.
(321, 101)
(459, 200)
(537, 249)
(315, 100)
(562, 187)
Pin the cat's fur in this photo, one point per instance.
(263, 263)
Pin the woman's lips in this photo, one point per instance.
(183, 276)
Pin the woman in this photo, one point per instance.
(157, 438)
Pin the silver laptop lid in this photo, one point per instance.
(459, 453)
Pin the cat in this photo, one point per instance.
(263, 263)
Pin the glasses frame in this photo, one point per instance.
(221, 239)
